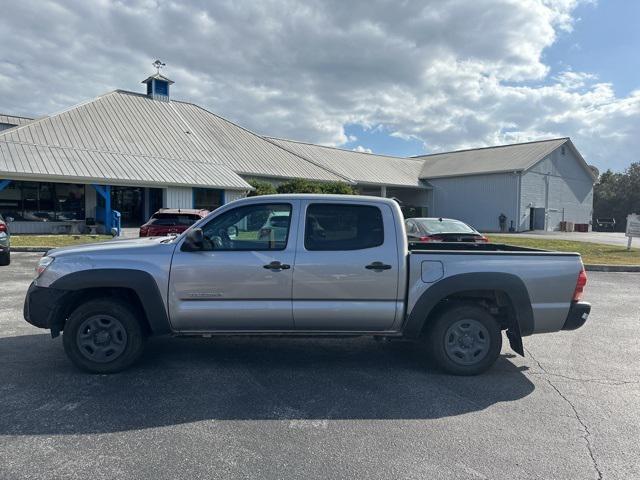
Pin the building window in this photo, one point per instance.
(207, 198)
(42, 202)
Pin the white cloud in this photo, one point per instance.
(362, 149)
(449, 73)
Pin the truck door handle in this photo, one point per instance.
(378, 266)
(276, 266)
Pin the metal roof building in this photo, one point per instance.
(138, 152)
(10, 121)
(534, 185)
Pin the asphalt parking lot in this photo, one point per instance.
(295, 408)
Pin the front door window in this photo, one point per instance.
(251, 228)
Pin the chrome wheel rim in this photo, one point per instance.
(101, 338)
(467, 342)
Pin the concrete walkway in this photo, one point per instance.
(130, 232)
(608, 238)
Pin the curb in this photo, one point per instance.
(31, 249)
(612, 268)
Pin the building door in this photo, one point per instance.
(154, 201)
(536, 218)
(129, 201)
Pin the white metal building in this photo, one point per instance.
(135, 153)
(536, 185)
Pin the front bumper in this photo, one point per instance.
(578, 315)
(42, 307)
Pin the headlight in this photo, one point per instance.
(43, 264)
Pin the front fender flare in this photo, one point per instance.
(141, 282)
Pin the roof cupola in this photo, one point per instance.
(158, 84)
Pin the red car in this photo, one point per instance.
(168, 221)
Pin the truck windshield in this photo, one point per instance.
(434, 225)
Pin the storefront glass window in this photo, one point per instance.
(42, 201)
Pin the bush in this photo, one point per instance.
(308, 186)
(261, 188)
(338, 188)
(299, 186)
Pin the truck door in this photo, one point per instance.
(346, 270)
(242, 278)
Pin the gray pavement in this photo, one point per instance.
(296, 408)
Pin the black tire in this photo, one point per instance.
(103, 336)
(5, 259)
(464, 339)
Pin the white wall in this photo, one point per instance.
(231, 195)
(177, 197)
(476, 199)
(570, 190)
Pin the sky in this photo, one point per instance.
(397, 77)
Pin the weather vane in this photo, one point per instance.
(158, 64)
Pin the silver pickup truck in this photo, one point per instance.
(330, 265)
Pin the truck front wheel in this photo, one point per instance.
(103, 336)
(465, 340)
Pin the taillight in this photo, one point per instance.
(143, 231)
(580, 284)
(3, 227)
(482, 239)
(425, 239)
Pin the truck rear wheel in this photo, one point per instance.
(103, 336)
(465, 340)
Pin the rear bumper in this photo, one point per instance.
(42, 306)
(578, 315)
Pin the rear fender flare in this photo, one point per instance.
(508, 283)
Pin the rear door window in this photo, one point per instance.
(343, 227)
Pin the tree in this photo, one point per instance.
(617, 195)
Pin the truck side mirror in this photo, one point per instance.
(194, 240)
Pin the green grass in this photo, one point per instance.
(55, 240)
(591, 252)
